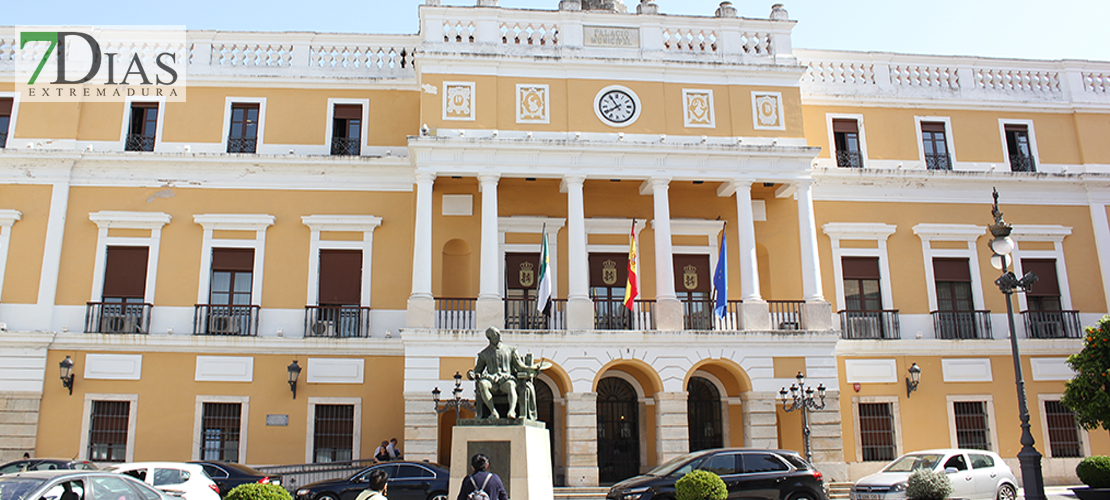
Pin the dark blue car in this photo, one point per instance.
(407, 481)
(749, 474)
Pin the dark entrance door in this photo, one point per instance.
(704, 414)
(545, 411)
(618, 431)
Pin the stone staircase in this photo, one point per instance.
(580, 493)
(839, 491)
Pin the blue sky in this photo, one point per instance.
(1035, 29)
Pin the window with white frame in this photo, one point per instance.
(878, 423)
(873, 235)
(1047, 308)
(347, 126)
(244, 124)
(8, 218)
(1063, 433)
(846, 140)
(6, 105)
(220, 428)
(971, 422)
(124, 272)
(1020, 144)
(230, 291)
(934, 135)
(339, 271)
(952, 277)
(108, 427)
(334, 429)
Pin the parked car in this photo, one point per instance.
(30, 464)
(749, 474)
(407, 481)
(67, 484)
(975, 475)
(176, 478)
(228, 475)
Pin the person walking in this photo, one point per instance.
(376, 485)
(394, 450)
(482, 483)
(382, 453)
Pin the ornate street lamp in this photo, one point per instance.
(1030, 459)
(802, 398)
(457, 403)
(913, 379)
(294, 372)
(66, 368)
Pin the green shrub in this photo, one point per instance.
(701, 485)
(258, 491)
(925, 484)
(1094, 471)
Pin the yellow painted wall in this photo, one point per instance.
(167, 400)
(24, 265)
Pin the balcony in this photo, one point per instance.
(521, 314)
(786, 314)
(336, 321)
(456, 314)
(849, 159)
(954, 325)
(698, 314)
(117, 317)
(1020, 163)
(938, 161)
(139, 142)
(870, 325)
(242, 145)
(610, 314)
(1052, 324)
(225, 320)
(344, 146)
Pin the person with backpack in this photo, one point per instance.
(482, 484)
(375, 486)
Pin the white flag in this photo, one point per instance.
(544, 289)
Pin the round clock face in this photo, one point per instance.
(617, 106)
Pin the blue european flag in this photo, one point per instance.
(720, 279)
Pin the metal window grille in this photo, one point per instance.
(1063, 433)
(972, 430)
(334, 433)
(108, 431)
(876, 432)
(220, 433)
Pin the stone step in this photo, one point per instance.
(839, 491)
(580, 493)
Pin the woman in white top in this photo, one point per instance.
(376, 484)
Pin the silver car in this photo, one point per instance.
(975, 475)
(75, 485)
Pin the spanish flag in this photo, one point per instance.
(632, 288)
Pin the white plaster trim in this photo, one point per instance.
(546, 114)
(1002, 122)
(896, 416)
(128, 101)
(473, 101)
(626, 90)
(7, 220)
(948, 138)
(105, 220)
(688, 118)
(992, 430)
(966, 370)
(1051, 233)
(1050, 369)
(530, 225)
(829, 117)
(756, 94)
(261, 129)
(86, 422)
(113, 366)
(861, 231)
(224, 369)
(461, 205)
(968, 233)
(244, 419)
(871, 371)
(365, 124)
(1084, 436)
(625, 376)
(232, 222)
(336, 371)
(310, 428)
(341, 223)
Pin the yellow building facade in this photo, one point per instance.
(363, 206)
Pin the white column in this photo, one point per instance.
(668, 310)
(816, 312)
(754, 311)
(421, 306)
(52, 257)
(1101, 228)
(491, 308)
(580, 309)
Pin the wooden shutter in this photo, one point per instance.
(125, 272)
(861, 268)
(700, 278)
(518, 274)
(340, 277)
(233, 259)
(932, 127)
(1047, 285)
(5, 107)
(845, 126)
(951, 270)
(348, 111)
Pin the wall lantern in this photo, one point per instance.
(294, 373)
(913, 379)
(66, 367)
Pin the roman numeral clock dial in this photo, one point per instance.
(617, 106)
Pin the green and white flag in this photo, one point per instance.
(544, 289)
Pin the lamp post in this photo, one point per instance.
(802, 398)
(1030, 459)
(457, 403)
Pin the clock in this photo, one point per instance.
(617, 106)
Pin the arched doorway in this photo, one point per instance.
(703, 413)
(618, 431)
(545, 412)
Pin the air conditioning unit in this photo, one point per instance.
(112, 323)
(864, 328)
(131, 324)
(323, 328)
(222, 325)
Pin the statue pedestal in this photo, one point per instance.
(519, 452)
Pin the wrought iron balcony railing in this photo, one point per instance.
(951, 325)
(343, 146)
(139, 142)
(849, 159)
(242, 145)
(786, 314)
(1052, 324)
(456, 314)
(880, 325)
(117, 317)
(1021, 163)
(610, 314)
(521, 314)
(938, 161)
(336, 321)
(698, 314)
(223, 319)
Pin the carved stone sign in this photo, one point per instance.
(281, 420)
(611, 36)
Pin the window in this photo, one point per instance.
(346, 131)
(339, 313)
(5, 120)
(1063, 433)
(1019, 149)
(1045, 295)
(167, 477)
(972, 430)
(955, 317)
(143, 128)
(220, 432)
(847, 143)
(756, 463)
(229, 300)
(108, 427)
(935, 143)
(113, 488)
(692, 286)
(876, 432)
(1045, 317)
(522, 275)
(243, 134)
(722, 465)
(608, 277)
(122, 309)
(981, 461)
(333, 433)
(863, 316)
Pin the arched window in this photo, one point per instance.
(618, 431)
(703, 411)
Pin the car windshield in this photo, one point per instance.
(677, 466)
(18, 488)
(909, 463)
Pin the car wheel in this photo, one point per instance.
(805, 495)
(326, 496)
(1006, 492)
(442, 495)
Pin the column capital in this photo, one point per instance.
(489, 178)
(425, 177)
(803, 183)
(569, 180)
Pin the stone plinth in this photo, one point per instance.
(671, 425)
(817, 315)
(519, 453)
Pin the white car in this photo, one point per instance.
(188, 481)
(975, 475)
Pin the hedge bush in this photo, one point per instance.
(258, 491)
(701, 485)
(926, 484)
(1094, 471)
